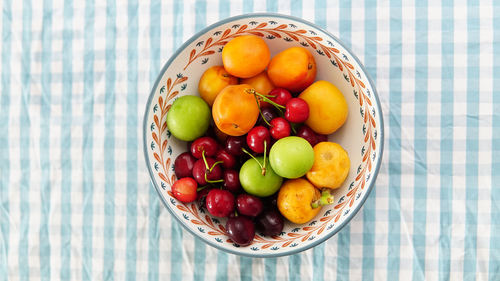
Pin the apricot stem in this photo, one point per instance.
(325, 199)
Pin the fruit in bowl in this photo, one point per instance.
(324, 98)
(331, 165)
(213, 81)
(234, 110)
(293, 69)
(258, 180)
(267, 115)
(292, 157)
(188, 118)
(300, 201)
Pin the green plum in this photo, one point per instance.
(291, 157)
(254, 182)
(188, 118)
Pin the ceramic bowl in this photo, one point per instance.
(361, 136)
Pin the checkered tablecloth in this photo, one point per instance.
(76, 201)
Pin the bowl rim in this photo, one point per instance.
(381, 133)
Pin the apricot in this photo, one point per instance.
(260, 82)
(295, 200)
(331, 165)
(293, 69)
(235, 110)
(246, 56)
(327, 107)
(213, 81)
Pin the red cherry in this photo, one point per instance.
(199, 171)
(241, 230)
(183, 165)
(231, 180)
(256, 138)
(297, 110)
(185, 190)
(280, 128)
(249, 205)
(321, 138)
(233, 145)
(220, 202)
(282, 96)
(308, 134)
(269, 114)
(207, 144)
(228, 160)
(270, 222)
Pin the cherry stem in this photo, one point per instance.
(214, 181)
(215, 164)
(325, 199)
(209, 169)
(265, 98)
(263, 168)
(202, 187)
(265, 152)
(293, 127)
(260, 111)
(268, 96)
(204, 159)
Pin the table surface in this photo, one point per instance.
(75, 197)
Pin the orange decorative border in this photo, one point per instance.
(359, 90)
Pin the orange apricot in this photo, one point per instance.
(328, 108)
(235, 110)
(260, 82)
(295, 200)
(213, 81)
(331, 165)
(246, 56)
(293, 69)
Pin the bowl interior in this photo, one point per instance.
(361, 135)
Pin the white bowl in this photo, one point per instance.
(361, 136)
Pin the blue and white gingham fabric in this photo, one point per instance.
(76, 202)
